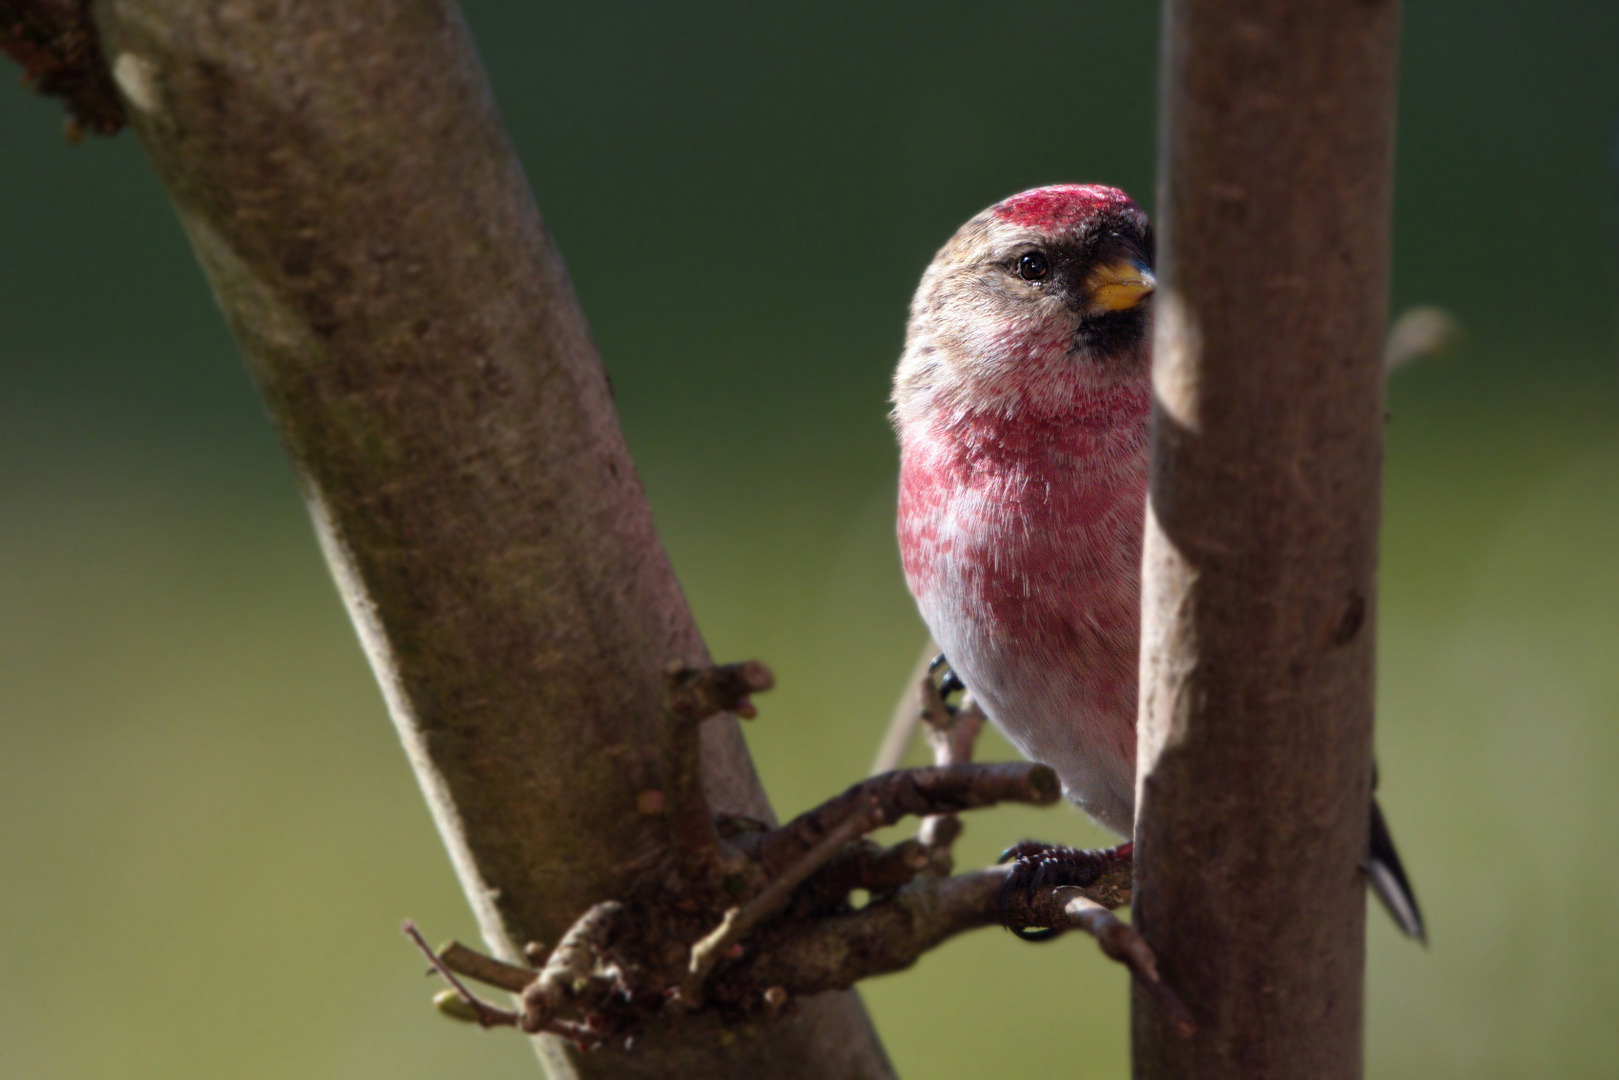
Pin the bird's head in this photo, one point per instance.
(1041, 297)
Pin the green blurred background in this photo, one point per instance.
(207, 831)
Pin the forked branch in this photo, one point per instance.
(750, 918)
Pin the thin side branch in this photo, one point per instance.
(906, 717)
(1121, 942)
(696, 693)
(486, 969)
(692, 695)
(739, 921)
(866, 865)
(483, 1014)
(952, 732)
(1087, 909)
(937, 790)
(577, 967)
(885, 936)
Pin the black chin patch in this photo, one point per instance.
(1113, 333)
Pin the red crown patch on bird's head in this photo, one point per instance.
(1059, 206)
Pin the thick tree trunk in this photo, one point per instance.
(347, 185)
(1261, 556)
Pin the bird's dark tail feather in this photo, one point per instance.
(1388, 880)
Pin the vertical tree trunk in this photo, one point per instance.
(1260, 569)
(346, 183)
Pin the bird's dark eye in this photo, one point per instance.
(1033, 267)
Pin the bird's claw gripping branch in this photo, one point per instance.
(745, 918)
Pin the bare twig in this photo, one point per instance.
(820, 951)
(1120, 942)
(611, 970)
(952, 733)
(484, 1014)
(866, 865)
(739, 920)
(885, 936)
(486, 969)
(1070, 907)
(906, 717)
(697, 693)
(941, 789)
(690, 696)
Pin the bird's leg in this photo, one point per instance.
(952, 728)
(952, 732)
(1038, 867)
(949, 682)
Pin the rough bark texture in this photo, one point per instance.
(1261, 551)
(343, 176)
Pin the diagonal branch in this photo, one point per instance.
(346, 183)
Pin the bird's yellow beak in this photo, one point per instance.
(1119, 286)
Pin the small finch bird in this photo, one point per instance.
(1021, 404)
